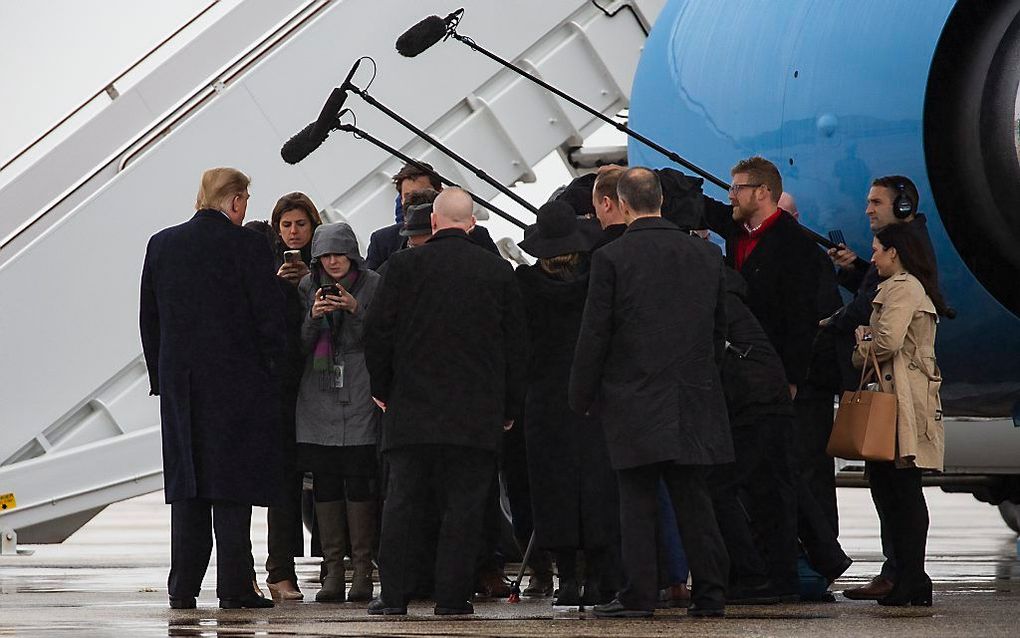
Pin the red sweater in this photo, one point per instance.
(747, 241)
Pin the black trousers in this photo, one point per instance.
(904, 515)
(285, 532)
(755, 502)
(815, 413)
(699, 532)
(459, 479)
(192, 523)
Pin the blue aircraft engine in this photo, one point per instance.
(839, 92)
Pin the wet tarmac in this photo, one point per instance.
(109, 579)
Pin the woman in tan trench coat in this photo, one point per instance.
(901, 334)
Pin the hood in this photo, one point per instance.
(336, 239)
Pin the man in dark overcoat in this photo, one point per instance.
(446, 349)
(212, 328)
(651, 340)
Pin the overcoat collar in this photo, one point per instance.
(212, 213)
(651, 222)
(448, 233)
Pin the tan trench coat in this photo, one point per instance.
(903, 327)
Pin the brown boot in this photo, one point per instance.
(362, 522)
(879, 587)
(333, 536)
(492, 583)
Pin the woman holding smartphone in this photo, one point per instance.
(291, 225)
(337, 420)
(294, 219)
(901, 336)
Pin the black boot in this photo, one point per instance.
(333, 536)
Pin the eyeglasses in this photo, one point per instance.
(734, 188)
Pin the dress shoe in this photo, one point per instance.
(906, 592)
(567, 595)
(378, 608)
(748, 595)
(251, 601)
(460, 610)
(616, 609)
(674, 597)
(183, 603)
(285, 590)
(879, 587)
(698, 611)
(492, 584)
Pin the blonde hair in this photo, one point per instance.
(218, 184)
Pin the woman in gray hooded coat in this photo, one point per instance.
(337, 421)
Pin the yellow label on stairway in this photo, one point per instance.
(7, 501)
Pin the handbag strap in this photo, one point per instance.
(871, 367)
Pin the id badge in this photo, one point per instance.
(338, 374)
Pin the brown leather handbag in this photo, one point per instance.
(865, 426)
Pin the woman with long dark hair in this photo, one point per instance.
(294, 219)
(901, 336)
(573, 488)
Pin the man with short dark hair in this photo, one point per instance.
(647, 357)
(892, 199)
(446, 348)
(607, 204)
(387, 240)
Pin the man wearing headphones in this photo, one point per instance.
(892, 199)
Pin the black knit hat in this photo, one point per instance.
(555, 233)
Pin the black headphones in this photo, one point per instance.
(902, 206)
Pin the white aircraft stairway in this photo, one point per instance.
(77, 428)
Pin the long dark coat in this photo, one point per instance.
(573, 487)
(213, 334)
(650, 346)
(446, 345)
(782, 282)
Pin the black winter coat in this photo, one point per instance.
(782, 283)
(573, 487)
(213, 334)
(446, 345)
(752, 372)
(651, 343)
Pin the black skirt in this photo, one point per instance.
(349, 460)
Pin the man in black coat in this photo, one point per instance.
(766, 245)
(213, 332)
(446, 348)
(651, 340)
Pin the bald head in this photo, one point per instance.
(453, 208)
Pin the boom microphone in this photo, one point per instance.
(312, 136)
(301, 145)
(426, 33)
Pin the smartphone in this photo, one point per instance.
(836, 237)
(329, 289)
(291, 256)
